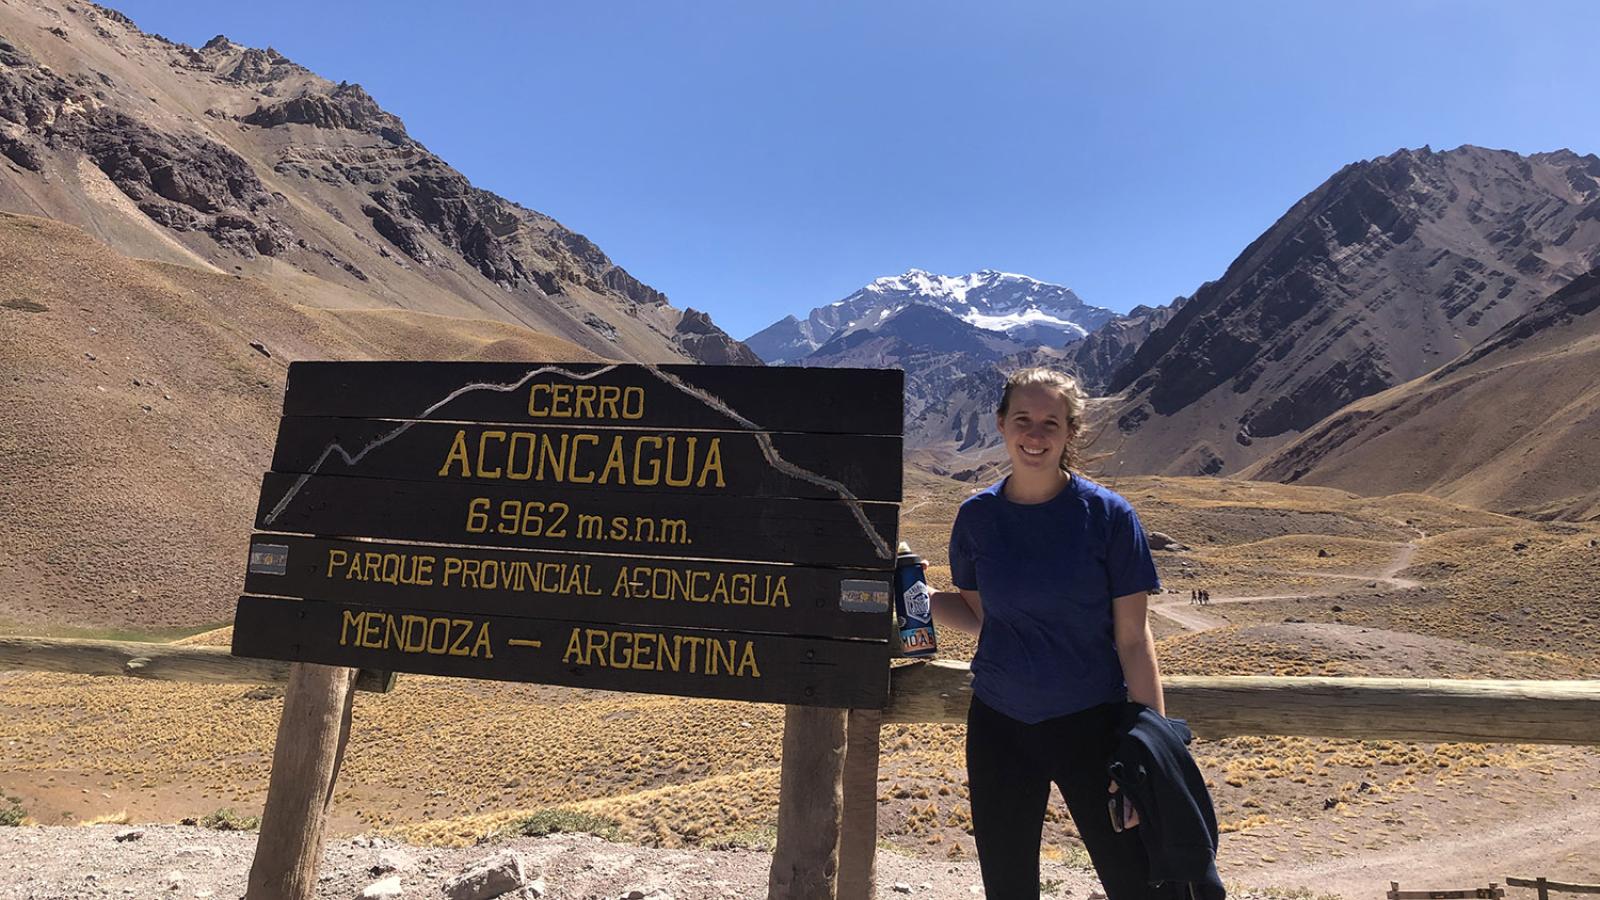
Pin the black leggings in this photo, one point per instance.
(1010, 766)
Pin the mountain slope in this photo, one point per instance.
(1513, 426)
(237, 159)
(1022, 308)
(1387, 270)
(133, 433)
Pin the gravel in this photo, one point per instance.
(175, 861)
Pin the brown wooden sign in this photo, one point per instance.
(753, 398)
(715, 463)
(655, 660)
(709, 531)
(533, 517)
(691, 593)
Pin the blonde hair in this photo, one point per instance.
(1067, 387)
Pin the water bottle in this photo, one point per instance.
(913, 605)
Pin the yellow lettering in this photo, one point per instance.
(584, 405)
(638, 456)
(574, 649)
(713, 463)
(336, 557)
(523, 454)
(572, 461)
(371, 631)
(482, 643)
(452, 566)
(688, 464)
(344, 630)
(560, 400)
(595, 641)
(459, 646)
(458, 453)
(483, 443)
(440, 629)
(614, 461)
(643, 645)
(719, 653)
(608, 401)
(748, 661)
(549, 454)
(534, 409)
(416, 632)
(633, 403)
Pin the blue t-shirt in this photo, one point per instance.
(1047, 573)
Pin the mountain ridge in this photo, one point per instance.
(238, 158)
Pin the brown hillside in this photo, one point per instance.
(1514, 425)
(236, 158)
(136, 420)
(1388, 270)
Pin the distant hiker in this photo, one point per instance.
(1054, 574)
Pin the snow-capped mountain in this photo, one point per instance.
(1023, 309)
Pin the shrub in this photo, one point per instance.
(569, 821)
(228, 820)
(11, 812)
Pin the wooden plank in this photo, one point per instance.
(1489, 893)
(618, 460)
(1408, 709)
(155, 662)
(1564, 887)
(804, 532)
(805, 862)
(312, 734)
(858, 830)
(759, 398)
(840, 603)
(681, 661)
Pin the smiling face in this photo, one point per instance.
(1037, 428)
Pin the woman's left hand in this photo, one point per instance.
(1130, 816)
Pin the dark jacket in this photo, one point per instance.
(1152, 765)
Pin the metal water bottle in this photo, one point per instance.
(913, 605)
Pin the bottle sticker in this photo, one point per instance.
(918, 601)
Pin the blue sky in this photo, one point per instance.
(757, 159)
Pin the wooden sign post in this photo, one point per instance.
(703, 531)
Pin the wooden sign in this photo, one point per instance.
(654, 659)
(699, 530)
(755, 398)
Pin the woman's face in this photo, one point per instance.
(1035, 428)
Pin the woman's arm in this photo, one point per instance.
(1136, 647)
(961, 610)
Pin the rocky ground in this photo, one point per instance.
(65, 863)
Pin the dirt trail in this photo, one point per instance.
(1193, 618)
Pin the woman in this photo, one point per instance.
(1053, 574)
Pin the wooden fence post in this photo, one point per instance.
(305, 763)
(1543, 886)
(858, 836)
(805, 863)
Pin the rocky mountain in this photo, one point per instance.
(1388, 270)
(1513, 425)
(235, 159)
(1026, 310)
(1097, 355)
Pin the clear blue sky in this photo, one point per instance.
(756, 159)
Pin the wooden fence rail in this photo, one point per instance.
(158, 662)
(1544, 886)
(1413, 709)
(1404, 709)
